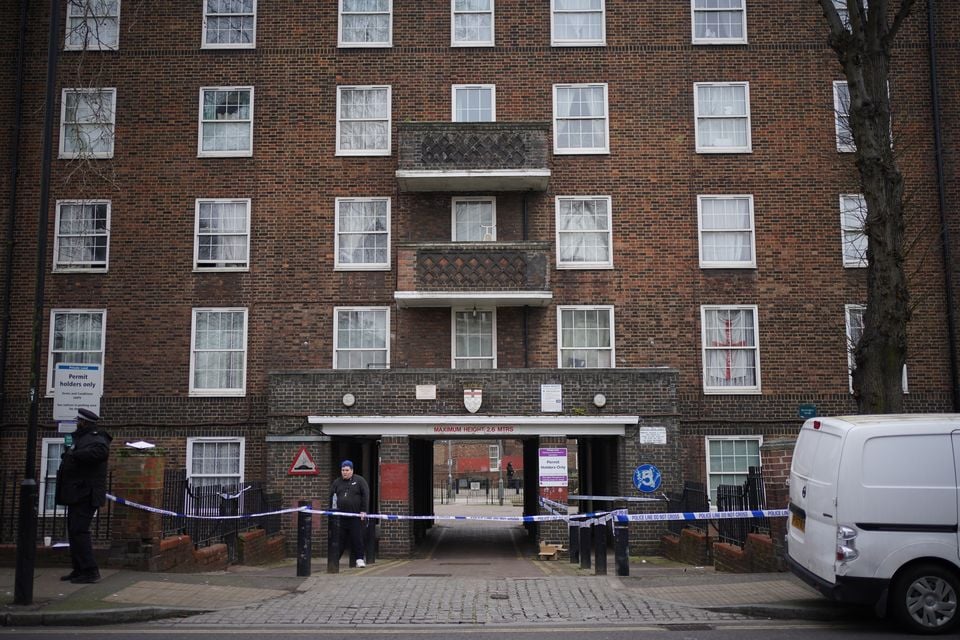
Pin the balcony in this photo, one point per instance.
(473, 156)
(447, 274)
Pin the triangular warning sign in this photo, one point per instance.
(303, 464)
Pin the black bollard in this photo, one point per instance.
(574, 543)
(621, 547)
(371, 541)
(333, 545)
(600, 549)
(585, 546)
(304, 540)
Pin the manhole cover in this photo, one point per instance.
(498, 596)
(429, 575)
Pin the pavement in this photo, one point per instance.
(466, 572)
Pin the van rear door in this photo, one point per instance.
(956, 465)
(812, 527)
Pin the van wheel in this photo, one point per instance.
(924, 599)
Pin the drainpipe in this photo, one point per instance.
(942, 201)
(526, 310)
(12, 217)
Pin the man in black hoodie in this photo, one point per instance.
(82, 487)
(349, 493)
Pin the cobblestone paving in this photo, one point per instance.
(358, 601)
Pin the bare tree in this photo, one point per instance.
(862, 34)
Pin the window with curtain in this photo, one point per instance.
(222, 235)
(87, 122)
(586, 337)
(853, 214)
(229, 24)
(474, 342)
(76, 337)
(723, 117)
(494, 454)
(584, 232)
(363, 121)
(363, 233)
(472, 23)
(731, 358)
(578, 22)
(841, 117)
(219, 352)
(52, 449)
(366, 23)
(226, 121)
(93, 25)
(729, 460)
(215, 462)
(83, 235)
(726, 232)
(854, 321)
(719, 21)
(361, 338)
(580, 118)
(474, 103)
(474, 219)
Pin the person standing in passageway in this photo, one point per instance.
(510, 475)
(349, 493)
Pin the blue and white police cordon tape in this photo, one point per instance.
(702, 515)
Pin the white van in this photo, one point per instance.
(873, 514)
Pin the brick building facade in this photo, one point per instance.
(315, 225)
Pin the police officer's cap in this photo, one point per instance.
(87, 416)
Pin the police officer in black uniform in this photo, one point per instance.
(82, 487)
(349, 493)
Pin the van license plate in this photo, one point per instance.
(798, 521)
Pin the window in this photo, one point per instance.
(731, 355)
(494, 454)
(580, 118)
(475, 339)
(226, 122)
(854, 317)
(83, 235)
(215, 462)
(363, 121)
(584, 232)
(93, 25)
(50, 452)
(853, 214)
(361, 338)
(729, 459)
(222, 235)
(363, 233)
(76, 337)
(366, 23)
(841, 6)
(474, 219)
(726, 232)
(841, 117)
(474, 103)
(472, 23)
(576, 23)
(229, 24)
(719, 21)
(87, 119)
(586, 337)
(218, 348)
(723, 117)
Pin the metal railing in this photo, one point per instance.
(478, 492)
(51, 517)
(692, 498)
(746, 497)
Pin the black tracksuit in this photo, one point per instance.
(352, 496)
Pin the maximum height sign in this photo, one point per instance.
(76, 386)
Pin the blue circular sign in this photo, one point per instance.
(646, 478)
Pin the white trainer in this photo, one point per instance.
(361, 564)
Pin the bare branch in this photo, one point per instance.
(903, 12)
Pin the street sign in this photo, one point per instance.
(76, 386)
(303, 464)
(553, 467)
(646, 478)
(807, 411)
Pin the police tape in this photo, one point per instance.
(553, 507)
(167, 512)
(702, 515)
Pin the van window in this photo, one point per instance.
(816, 456)
(909, 461)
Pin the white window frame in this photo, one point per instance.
(51, 367)
(108, 127)
(192, 441)
(453, 338)
(453, 217)
(727, 264)
(494, 458)
(594, 307)
(48, 476)
(236, 153)
(360, 266)
(841, 7)
(471, 43)
(851, 362)
(336, 334)
(228, 45)
(238, 391)
(492, 88)
(389, 120)
(847, 232)
(717, 40)
(557, 150)
(238, 265)
(557, 42)
(744, 390)
(710, 472)
(841, 111)
(87, 12)
(562, 264)
(364, 45)
(701, 148)
(92, 266)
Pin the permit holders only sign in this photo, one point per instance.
(303, 464)
(553, 467)
(76, 386)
